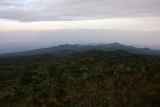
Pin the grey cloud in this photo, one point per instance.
(63, 10)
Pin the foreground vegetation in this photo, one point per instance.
(89, 79)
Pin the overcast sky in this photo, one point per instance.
(35, 16)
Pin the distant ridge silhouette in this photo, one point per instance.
(67, 49)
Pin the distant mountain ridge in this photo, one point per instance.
(67, 49)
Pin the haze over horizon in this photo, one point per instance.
(31, 24)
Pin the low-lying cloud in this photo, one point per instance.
(12, 41)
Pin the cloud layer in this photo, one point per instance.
(78, 36)
(64, 10)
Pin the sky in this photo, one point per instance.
(30, 24)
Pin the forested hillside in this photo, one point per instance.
(84, 79)
(68, 49)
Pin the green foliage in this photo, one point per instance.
(154, 67)
(93, 78)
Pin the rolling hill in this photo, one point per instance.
(67, 49)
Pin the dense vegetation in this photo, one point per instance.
(89, 79)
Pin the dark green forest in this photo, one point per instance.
(82, 79)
